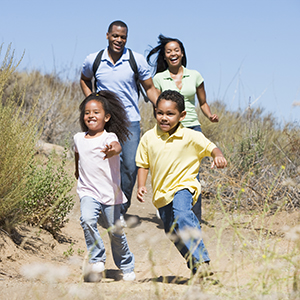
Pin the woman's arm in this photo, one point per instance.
(201, 95)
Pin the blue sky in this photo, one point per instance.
(247, 51)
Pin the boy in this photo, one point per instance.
(173, 155)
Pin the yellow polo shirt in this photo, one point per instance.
(173, 160)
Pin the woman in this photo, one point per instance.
(171, 74)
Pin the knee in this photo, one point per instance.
(88, 221)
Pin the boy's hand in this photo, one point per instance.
(140, 193)
(220, 162)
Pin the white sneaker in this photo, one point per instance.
(94, 272)
(98, 267)
(122, 221)
(129, 276)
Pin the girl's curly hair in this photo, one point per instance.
(118, 122)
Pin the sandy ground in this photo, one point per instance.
(40, 267)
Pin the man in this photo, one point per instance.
(115, 74)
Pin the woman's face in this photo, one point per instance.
(173, 54)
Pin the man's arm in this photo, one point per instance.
(150, 90)
(86, 85)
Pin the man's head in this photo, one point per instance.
(117, 37)
(170, 110)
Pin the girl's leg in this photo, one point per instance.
(179, 217)
(123, 258)
(90, 209)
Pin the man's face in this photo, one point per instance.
(117, 39)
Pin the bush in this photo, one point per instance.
(48, 201)
(17, 141)
(28, 192)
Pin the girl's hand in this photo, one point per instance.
(140, 193)
(220, 162)
(112, 149)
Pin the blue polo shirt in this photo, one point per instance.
(119, 78)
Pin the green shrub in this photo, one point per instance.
(17, 140)
(28, 191)
(48, 200)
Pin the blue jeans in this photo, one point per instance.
(90, 212)
(128, 166)
(178, 217)
(197, 209)
(196, 128)
(197, 206)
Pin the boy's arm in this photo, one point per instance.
(219, 159)
(76, 165)
(114, 148)
(142, 177)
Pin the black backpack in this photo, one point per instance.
(133, 66)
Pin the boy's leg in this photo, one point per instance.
(128, 166)
(188, 240)
(123, 258)
(90, 209)
(197, 209)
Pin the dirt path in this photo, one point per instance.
(43, 268)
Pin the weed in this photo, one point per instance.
(69, 252)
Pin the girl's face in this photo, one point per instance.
(168, 116)
(95, 117)
(173, 54)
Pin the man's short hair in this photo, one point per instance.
(172, 96)
(117, 23)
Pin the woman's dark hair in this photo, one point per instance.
(160, 63)
(118, 122)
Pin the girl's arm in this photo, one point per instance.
(142, 177)
(219, 159)
(201, 95)
(114, 148)
(76, 165)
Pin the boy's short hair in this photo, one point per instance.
(172, 96)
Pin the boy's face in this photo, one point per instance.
(168, 116)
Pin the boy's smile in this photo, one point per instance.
(168, 116)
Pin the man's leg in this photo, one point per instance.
(128, 166)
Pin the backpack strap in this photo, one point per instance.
(134, 68)
(96, 65)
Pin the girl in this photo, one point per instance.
(104, 122)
